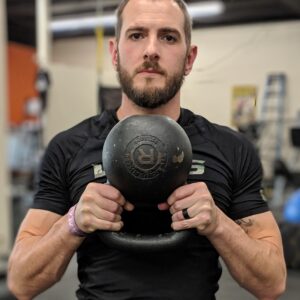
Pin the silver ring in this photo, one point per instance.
(185, 214)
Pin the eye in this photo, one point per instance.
(136, 36)
(169, 38)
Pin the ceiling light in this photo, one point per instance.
(203, 9)
(206, 9)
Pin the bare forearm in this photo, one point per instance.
(38, 262)
(255, 264)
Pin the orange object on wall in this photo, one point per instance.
(22, 71)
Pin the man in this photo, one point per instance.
(152, 54)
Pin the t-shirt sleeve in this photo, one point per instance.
(52, 192)
(247, 192)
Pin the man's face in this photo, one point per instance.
(151, 52)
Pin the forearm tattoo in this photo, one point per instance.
(245, 223)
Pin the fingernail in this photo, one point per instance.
(163, 206)
(128, 206)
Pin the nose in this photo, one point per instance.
(151, 51)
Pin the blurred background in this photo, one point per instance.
(55, 70)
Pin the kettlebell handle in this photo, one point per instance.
(139, 243)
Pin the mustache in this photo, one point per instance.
(151, 65)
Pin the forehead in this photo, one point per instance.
(153, 14)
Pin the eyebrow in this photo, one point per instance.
(170, 30)
(161, 30)
(136, 28)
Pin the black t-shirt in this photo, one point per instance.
(222, 158)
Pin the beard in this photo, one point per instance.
(150, 97)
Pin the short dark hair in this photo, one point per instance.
(182, 5)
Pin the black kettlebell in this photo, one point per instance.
(146, 158)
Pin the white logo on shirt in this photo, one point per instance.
(98, 171)
(197, 167)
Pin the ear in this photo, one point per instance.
(193, 51)
(113, 49)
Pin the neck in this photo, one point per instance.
(129, 108)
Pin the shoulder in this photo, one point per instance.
(224, 134)
(215, 133)
(223, 142)
(235, 146)
(75, 137)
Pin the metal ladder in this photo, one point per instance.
(272, 131)
(273, 108)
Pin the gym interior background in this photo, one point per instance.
(54, 74)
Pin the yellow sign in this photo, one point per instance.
(243, 105)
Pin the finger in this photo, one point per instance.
(107, 191)
(187, 190)
(128, 206)
(180, 193)
(89, 222)
(200, 221)
(116, 196)
(92, 196)
(106, 215)
(110, 206)
(163, 206)
(186, 224)
(180, 215)
(182, 225)
(201, 209)
(100, 224)
(179, 205)
(90, 201)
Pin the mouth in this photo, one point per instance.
(150, 71)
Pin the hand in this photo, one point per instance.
(100, 208)
(200, 206)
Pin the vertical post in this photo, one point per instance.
(43, 50)
(43, 34)
(5, 200)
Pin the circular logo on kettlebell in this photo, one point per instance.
(145, 157)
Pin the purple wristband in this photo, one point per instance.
(73, 228)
